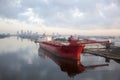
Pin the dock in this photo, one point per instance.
(111, 53)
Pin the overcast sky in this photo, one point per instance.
(86, 17)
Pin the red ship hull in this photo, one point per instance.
(71, 51)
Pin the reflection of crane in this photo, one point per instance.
(72, 67)
(94, 66)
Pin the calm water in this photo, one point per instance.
(24, 60)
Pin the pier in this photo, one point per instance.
(113, 53)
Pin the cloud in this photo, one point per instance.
(31, 16)
(80, 14)
(13, 25)
(10, 8)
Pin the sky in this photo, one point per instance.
(82, 17)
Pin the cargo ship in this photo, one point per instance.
(71, 50)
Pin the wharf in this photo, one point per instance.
(111, 53)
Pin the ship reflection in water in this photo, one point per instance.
(71, 67)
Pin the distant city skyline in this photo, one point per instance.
(82, 17)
